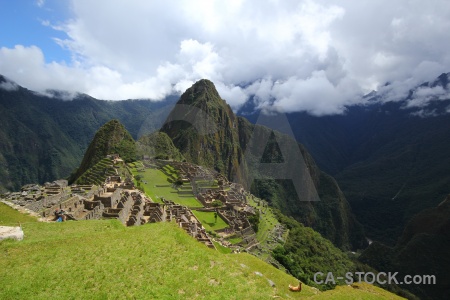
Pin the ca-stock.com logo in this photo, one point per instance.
(372, 278)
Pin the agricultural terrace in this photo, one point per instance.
(209, 221)
(267, 225)
(156, 185)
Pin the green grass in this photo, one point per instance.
(10, 216)
(222, 249)
(235, 240)
(266, 223)
(356, 291)
(101, 259)
(208, 221)
(106, 261)
(157, 186)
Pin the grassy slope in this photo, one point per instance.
(157, 186)
(208, 221)
(104, 260)
(10, 217)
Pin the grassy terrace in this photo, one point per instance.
(10, 217)
(155, 184)
(208, 221)
(267, 222)
(101, 259)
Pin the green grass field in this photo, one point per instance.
(235, 240)
(208, 221)
(157, 186)
(10, 217)
(102, 259)
(222, 249)
(267, 222)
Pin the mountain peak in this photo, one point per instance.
(111, 138)
(201, 93)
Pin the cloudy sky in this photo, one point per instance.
(313, 55)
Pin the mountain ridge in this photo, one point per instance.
(223, 148)
(389, 160)
(43, 138)
(422, 249)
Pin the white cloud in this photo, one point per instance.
(235, 96)
(304, 55)
(422, 96)
(315, 94)
(424, 113)
(9, 86)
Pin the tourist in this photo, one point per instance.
(60, 215)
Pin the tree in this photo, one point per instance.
(216, 203)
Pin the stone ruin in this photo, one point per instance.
(183, 216)
(207, 185)
(114, 199)
(118, 198)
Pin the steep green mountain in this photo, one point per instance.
(203, 127)
(330, 215)
(158, 145)
(111, 138)
(390, 160)
(423, 249)
(208, 133)
(43, 138)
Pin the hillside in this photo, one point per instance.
(390, 159)
(208, 133)
(203, 127)
(158, 145)
(155, 261)
(422, 249)
(44, 137)
(111, 138)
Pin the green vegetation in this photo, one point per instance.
(10, 217)
(98, 173)
(423, 246)
(219, 150)
(356, 291)
(390, 163)
(209, 221)
(303, 251)
(158, 145)
(267, 222)
(307, 252)
(222, 249)
(254, 220)
(156, 261)
(226, 146)
(111, 138)
(235, 240)
(45, 138)
(155, 184)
